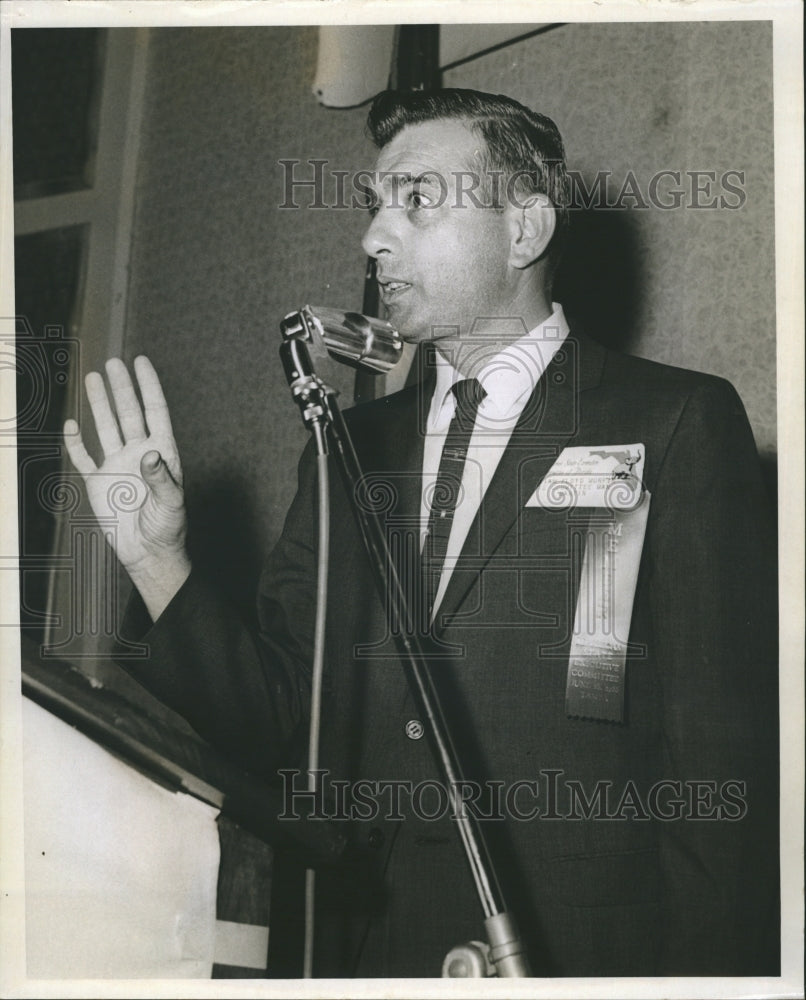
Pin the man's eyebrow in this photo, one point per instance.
(372, 182)
(406, 177)
(373, 185)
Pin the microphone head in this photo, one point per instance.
(352, 338)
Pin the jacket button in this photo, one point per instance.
(414, 729)
(376, 838)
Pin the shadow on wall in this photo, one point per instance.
(599, 281)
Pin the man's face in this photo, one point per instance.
(442, 261)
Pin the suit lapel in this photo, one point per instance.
(389, 435)
(550, 420)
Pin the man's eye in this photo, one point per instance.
(419, 199)
(373, 209)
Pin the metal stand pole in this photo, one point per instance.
(318, 405)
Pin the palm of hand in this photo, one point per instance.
(118, 495)
(141, 503)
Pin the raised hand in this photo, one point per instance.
(138, 485)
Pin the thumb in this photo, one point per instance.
(158, 477)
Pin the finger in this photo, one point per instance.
(158, 417)
(76, 450)
(105, 423)
(158, 476)
(130, 416)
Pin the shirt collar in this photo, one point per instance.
(510, 377)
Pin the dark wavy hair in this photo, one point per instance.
(524, 146)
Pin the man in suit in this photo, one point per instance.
(621, 749)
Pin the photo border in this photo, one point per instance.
(788, 115)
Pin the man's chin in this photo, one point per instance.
(411, 333)
(415, 330)
(410, 336)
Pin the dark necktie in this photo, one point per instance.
(469, 395)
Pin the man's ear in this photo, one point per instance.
(533, 220)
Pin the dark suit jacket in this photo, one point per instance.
(622, 891)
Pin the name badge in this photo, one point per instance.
(604, 476)
(607, 477)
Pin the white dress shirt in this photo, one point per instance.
(508, 381)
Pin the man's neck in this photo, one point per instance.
(469, 354)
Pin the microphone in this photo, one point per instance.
(349, 337)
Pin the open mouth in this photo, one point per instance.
(392, 289)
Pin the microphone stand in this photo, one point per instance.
(504, 953)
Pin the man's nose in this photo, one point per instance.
(381, 235)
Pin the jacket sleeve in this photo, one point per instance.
(244, 690)
(714, 618)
